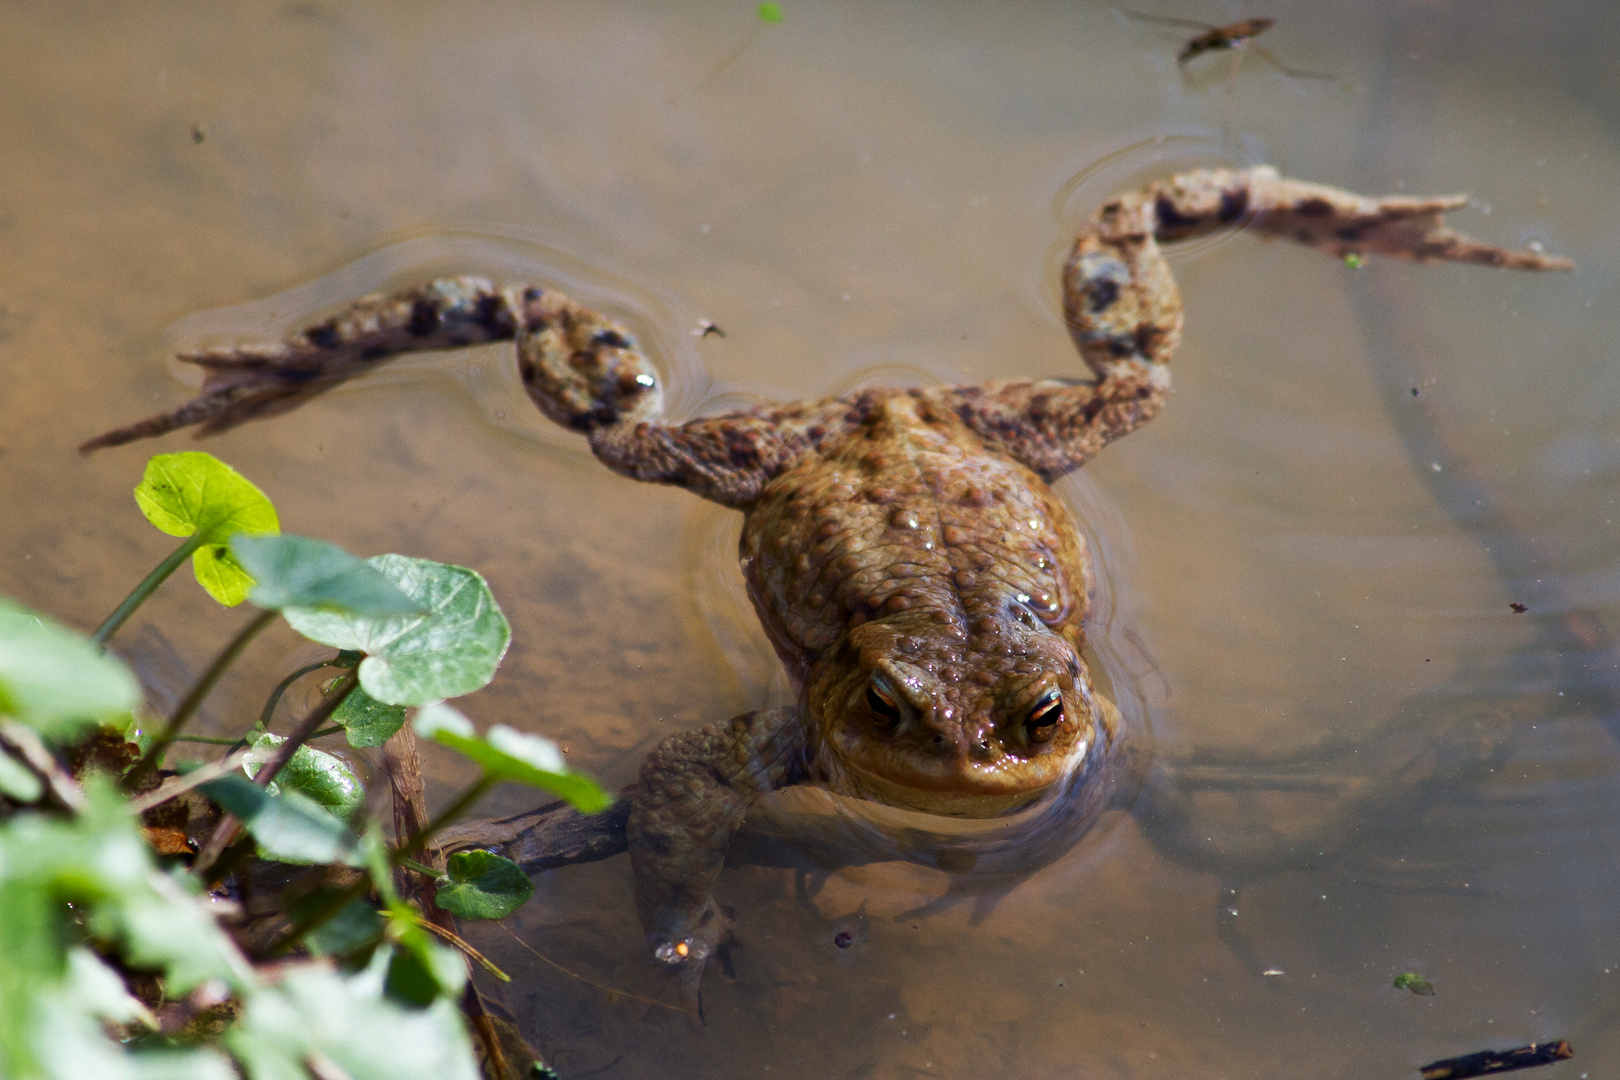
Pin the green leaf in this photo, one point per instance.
(375, 857)
(452, 648)
(69, 1039)
(55, 680)
(325, 779)
(17, 781)
(771, 13)
(422, 971)
(483, 885)
(99, 863)
(366, 721)
(193, 493)
(289, 827)
(354, 927)
(297, 572)
(313, 1011)
(511, 755)
(91, 875)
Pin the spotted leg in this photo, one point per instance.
(583, 371)
(695, 789)
(1125, 315)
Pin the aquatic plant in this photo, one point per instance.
(123, 951)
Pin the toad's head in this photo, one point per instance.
(971, 714)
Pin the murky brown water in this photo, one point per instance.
(1364, 762)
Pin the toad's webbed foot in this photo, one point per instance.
(695, 789)
(1124, 311)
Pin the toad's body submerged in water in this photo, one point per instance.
(916, 574)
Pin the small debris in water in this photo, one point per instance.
(1496, 1061)
(1411, 980)
(844, 939)
(1272, 971)
(1518, 609)
(705, 328)
(197, 133)
(1356, 261)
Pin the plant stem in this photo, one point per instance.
(146, 588)
(194, 698)
(420, 868)
(212, 740)
(396, 857)
(269, 710)
(226, 829)
(306, 727)
(333, 730)
(444, 817)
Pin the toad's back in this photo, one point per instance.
(908, 513)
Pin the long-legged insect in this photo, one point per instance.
(1238, 36)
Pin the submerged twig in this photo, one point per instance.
(1490, 1062)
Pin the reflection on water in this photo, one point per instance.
(1363, 761)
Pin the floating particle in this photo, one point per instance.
(1411, 980)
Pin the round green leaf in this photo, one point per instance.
(512, 755)
(56, 681)
(366, 721)
(324, 778)
(298, 572)
(193, 493)
(452, 648)
(483, 885)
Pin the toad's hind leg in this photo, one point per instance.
(1124, 312)
(583, 370)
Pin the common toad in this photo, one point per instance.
(905, 554)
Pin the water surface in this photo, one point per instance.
(1363, 761)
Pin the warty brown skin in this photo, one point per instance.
(916, 574)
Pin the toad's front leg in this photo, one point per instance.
(695, 789)
(1125, 315)
(583, 370)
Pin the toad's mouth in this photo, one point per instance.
(955, 788)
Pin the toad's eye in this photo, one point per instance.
(885, 713)
(1044, 718)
